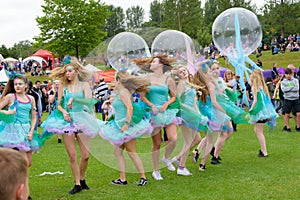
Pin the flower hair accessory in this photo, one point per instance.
(13, 75)
(67, 60)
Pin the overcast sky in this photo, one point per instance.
(17, 17)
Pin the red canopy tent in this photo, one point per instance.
(45, 54)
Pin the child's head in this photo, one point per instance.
(288, 73)
(16, 84)
(13, 175)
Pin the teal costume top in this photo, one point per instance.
(14, 128)
(158, 95)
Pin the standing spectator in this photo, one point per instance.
(37, 98)
(274, 71)
(42, 92)
(270, 85)
(290, 89)
(101, 94)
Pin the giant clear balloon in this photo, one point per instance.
(123, 48)
(225, 32)
(175, 44)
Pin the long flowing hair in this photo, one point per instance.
(9, 88)
(257, 80)
(201, 85)
(144, 63)
(175, 73)
(60, 72)
(133, 83)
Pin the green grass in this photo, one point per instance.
(267, 59)
(242, 175)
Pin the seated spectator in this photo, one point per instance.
(258, 52)
(295, 46)
(13, 175)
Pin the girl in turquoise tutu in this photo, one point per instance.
(163, 107)
(237, 114)
(193, 120)
(129, 123)
(262, 110)
(18, 118)
(209, 106)
(74, 117)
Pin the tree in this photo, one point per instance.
(135, 17)
(72, 26)
(182, 15)
(115, 23)
(155, 13)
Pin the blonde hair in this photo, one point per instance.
(201, 85)
(225, 75)
(257, 80)
(144, 63)
(133, 83)
(14, 171)
(60, 73)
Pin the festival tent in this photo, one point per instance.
(108, 75)
(46, 55)
(3, 76)
(9, 59)
(92, 68)
(38, 59)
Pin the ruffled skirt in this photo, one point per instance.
(15, 135)
(111, 131)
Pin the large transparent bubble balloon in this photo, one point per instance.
(175, 44)
(124, 47)
(225, 33)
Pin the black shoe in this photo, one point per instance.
(261, 155)
(83, 184)
(142, 182)
(118, 182)
(195, 156)
(219, 158)
(215, 161)
(29, 198)
(76, 189)
(59, 141)
(297, 129)
(287, 129)
(201, 167)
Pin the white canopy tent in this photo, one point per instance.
(92, 68)
(38, 59)
(3, 76)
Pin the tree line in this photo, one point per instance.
(75, 27)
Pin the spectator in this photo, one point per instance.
(274, 71)
(290, 89)
(259, 63)
(270, 85)
(101, 94)
(13, 175)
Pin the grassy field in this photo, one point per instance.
(242, 175)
